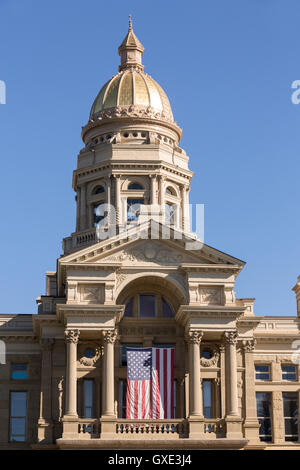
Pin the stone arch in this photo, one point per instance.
(162, 283)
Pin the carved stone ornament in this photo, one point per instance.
(72, 336)
(210, 295)
(110, 336)
(132, 111)
(92, 293)
(231, 337)
(213, 360)
(194, 337)
(90, 361)
(249, 345)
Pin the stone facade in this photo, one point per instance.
(132, 153)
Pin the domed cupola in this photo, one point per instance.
(130, 95)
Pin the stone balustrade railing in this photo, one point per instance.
(88, 428)
(79, 240)
(173, 428)
(214, 428)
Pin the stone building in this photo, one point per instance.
(149, 282)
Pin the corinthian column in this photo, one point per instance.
(109, 337)
(71, 337)
(195, 389)
(231, 373)
(118, 199)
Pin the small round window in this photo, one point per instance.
(89, 353)
(206, 354)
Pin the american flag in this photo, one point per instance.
(150, 377)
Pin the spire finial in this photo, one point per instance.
(130, 23)
(131, 50)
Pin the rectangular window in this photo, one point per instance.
(262, 372)
(288, 372)
(122, 402)
(147, 305)
(264, 411)
(88, 398)
(133, 208)
(18, 413)
(207, 398)
(290, 412)
(19, 371)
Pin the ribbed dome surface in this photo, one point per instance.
(132, 86)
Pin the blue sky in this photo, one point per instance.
(227, 67)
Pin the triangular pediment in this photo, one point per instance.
(137, 248)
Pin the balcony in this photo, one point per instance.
(116, 433)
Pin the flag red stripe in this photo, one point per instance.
(172, 383)
(136, 399)
(165, 408)
(143, 398)
(128, 400)
(157, 384)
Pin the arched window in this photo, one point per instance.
(99, 190)
(135, 186)
(170, 191)
(148, 305)
(128, 312)
(167, 310)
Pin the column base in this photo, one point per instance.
(251, 430)
(234, 427)
(45, 431)
(108, 427)
(196, 427)
(70, 426)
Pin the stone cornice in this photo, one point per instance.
(125, 166)
(81, 312)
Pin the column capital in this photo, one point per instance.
(153, 176)
(249, 345)
(110, 336)
(230, 337)
(194, 337)
(72, 336)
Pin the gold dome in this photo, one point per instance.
(132, 87)
(129, 87)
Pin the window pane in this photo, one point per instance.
(289, 372)
(147, 306)
(18, 426)
(135, 186)
(129, 308)
(97, 212)
(19, 371)
(207, 398)
(262, 372)
(18, 409)
(263, 406)
(290, 410)
(88, 386)
(167, 310)
(133, 208)
(18, 404)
